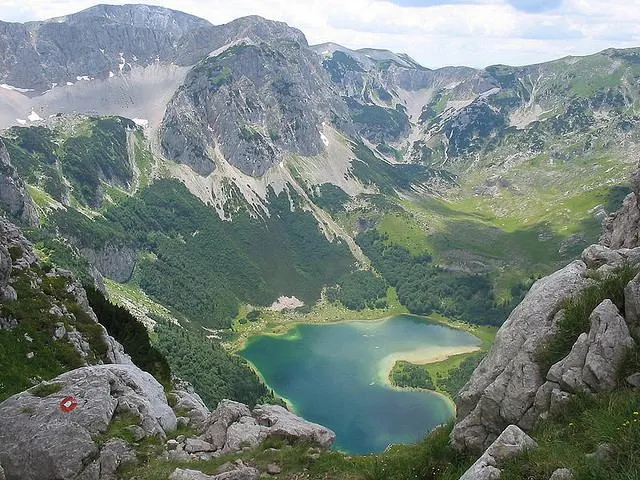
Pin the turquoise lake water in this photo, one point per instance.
(334, 374)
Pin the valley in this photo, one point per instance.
(344, 232)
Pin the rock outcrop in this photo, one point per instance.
(40, 440)
(236, 471)
(503, 387)
(622, 228)
(64, 296)
(114, 262)
(510, 387)
(511, 443)
(275, 97)
(595, 358)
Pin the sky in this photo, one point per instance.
(436, 33)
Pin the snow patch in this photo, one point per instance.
(69, 84)
(324, 138)
(286, 303)
(34, 117)
(83, 77)
(111, 74)
(240, 41)
(15, 89)
(141, 122)
(21, 121)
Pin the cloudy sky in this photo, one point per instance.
(434, 32)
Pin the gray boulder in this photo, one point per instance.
(38, 440)
(596, 256)
(284, 424)
(562, 474)
(233, 426)
(115, 453)
(603, 453)
(503, 388)
(227, 413)
(609, 341)
(186, 474)
(632, 306)
(195, 445)
(238, 472)
(193, 407)
(511, 443)
(568, 371)
(634, 380)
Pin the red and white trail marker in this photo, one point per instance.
(68, 404)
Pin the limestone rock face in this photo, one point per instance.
(632, 306)
(503, 387)
(595, 357)
(96, 41)
(38, 440)
(227, 413)
(191, 403)
(609, 341)
(114, 262)
(275, 97)
(284, 424)
(14, 198)
(568, 371)
(511, 442)
(622, 228)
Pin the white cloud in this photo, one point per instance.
(478, 33)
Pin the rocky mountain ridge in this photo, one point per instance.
(295, 114)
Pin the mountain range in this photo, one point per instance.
(216, 181)
(496, 172)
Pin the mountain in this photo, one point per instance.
(208, 176)
(249, 118)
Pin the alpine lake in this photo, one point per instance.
(336, 375)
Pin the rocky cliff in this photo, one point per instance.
(92, 43)
(275, 98)
(14, 198)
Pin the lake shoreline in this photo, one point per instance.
(482, 332)
(346, 367)
(417, 358)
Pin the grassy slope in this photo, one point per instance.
(524, 231)
(564, 441)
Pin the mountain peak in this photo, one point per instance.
(259, 28)
(135, 15)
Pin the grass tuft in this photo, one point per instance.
(45, 389)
